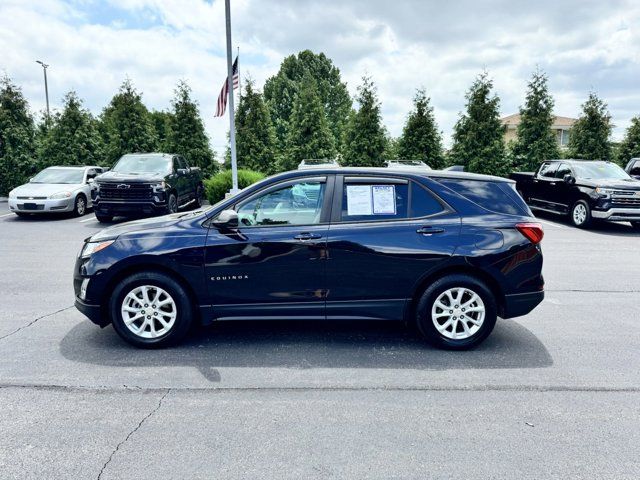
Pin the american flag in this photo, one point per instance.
(222, 98)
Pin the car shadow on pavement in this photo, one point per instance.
(307, 345)
(617, 229)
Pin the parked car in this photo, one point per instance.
(447, 251)
(582, 189)
(147, 184)
(55, 190)
(633, 168)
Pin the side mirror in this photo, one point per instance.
(182, 171)
(226, 220)
(568, 179)
(90, 181)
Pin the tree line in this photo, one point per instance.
(303, 111)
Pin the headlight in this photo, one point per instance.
(60, 195)
(605, 192)
(92, 247)
(12, 194)
(158, 187)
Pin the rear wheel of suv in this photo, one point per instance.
(580, 214)
(104, 218)
(150, 310)
(456, 312)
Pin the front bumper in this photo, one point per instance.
(125, 207)
(616, 214)
(519, 304)
(92, 312)
(41, 206)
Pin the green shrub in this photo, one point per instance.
(217, 186)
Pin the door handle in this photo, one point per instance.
(307, 236)
(429, 230)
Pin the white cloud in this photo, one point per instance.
(92, 46)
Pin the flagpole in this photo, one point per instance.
(232, 125)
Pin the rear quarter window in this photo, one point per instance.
(499, 197)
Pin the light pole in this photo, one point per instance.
(46, 87)
(232, 126)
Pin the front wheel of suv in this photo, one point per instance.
(172, 204)
(456, 312)
(150, 310)
(580, 214)
(104, 218)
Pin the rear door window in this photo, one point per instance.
(499, 197)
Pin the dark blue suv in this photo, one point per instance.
(450, 251)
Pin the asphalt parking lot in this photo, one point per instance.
(555, 394)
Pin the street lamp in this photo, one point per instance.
(46, 87)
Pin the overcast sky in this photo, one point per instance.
(92, 46)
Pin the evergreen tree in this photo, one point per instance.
(255, 135)
(589, 136)
(536, 141)
(161, 121)
(478, 135)
(630, 146)
(17, 144)
(420, 138)
(309, 133)
(365, 138)
(125, 125)
(187, 136)
(280, 92)
(72, 138)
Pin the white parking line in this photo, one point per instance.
(87, 220)
(6, 214)
(553, 224)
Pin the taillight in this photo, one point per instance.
(532, 231)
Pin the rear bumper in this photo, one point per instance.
(520, 304)
(617, 214)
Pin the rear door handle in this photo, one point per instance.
(307, 236)
(428, 230)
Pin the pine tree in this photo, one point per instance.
(17, 145)
(365, 138)
(478, 135)
(280, 92)
(72, 138)
(630, 146)
(309, 133)
(536, 141)
(161, 121)
(420, 138)
(589, 136)
(187, 136)
(255, 135)
(125, 124)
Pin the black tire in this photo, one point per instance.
(635, 225)
(184, 310)
(104, 218)
(577, 218)
(425, 306)
(80, 206)
(199, 195)
(172, 203)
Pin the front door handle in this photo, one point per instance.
(307, 236)
(429, 230)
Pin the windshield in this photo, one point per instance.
(601, 170)
(59, 175)
(137, 164)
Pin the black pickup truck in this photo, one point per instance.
(147, 184)
(582, 189)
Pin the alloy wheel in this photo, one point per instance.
(81, 206)
(458, 313)
(148, 311)
(579, 214)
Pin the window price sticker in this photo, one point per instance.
(384, 199)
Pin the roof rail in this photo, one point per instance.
(407, 164)
(309, 163)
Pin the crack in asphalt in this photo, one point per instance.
(384, 388)
(146, 417)
(34, 321)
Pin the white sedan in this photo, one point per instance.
(55, 189)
